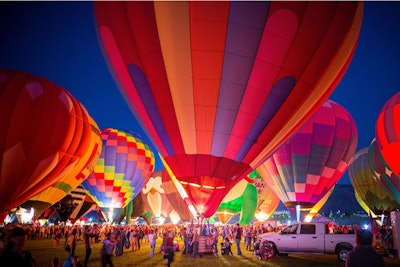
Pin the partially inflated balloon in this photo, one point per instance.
(387, 132)
(242, 199)
(363, 205)
(367, 188)
(179, 205)
(124, 167)
(268, 201)
(305, 168)
(45, 136)
(219, 86)
(155, 195)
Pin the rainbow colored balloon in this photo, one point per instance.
(124, 167)
(367, 188)
(219, 86)
(45, 136)
(305, 168)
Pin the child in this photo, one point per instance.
(228, 245)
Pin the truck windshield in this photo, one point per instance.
(291, 229)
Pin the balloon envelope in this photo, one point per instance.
(367, 188)
(155, 195)
(382, 173)
(219, 86)
(90, 153)
(175, 198)
(268, 201)
(306, 167)
(45, 135)
(388, 134)
(125, 165)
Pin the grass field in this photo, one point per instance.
(43, 252)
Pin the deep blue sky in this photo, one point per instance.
(57, 40)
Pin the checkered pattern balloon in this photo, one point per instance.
(305, 168)
(124, 167)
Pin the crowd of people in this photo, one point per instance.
(116, 238)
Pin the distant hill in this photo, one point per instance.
(342, 199)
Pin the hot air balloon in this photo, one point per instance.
(388, 134)
(175, 198)
(124, 167)
(367, 188)
(241, 199)
(45, 136)
(363, 205)
(219, 86)
(156, 197)
(382, 173)
(268, 201)
(89, 153)
(305, 168)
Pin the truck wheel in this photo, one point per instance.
(342, 253)
(270, 250)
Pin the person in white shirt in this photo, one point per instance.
(152, 241)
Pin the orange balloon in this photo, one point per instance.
(43, 130)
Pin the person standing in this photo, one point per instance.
(238, 237)
(108, 245)
(364, 254)
(215, 240)
(185, 240)
(88, 235)
(195, 243)
(70, 247)
(152, 241)
(169, 243)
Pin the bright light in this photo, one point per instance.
(174, 216)
(366, 226)
(261, 216)
(297, 213)
(161, 220)
(110, 216)
(308, 218)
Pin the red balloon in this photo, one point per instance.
(387, 131)
(43, 135)
(219, 86)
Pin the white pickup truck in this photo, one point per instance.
(312, 238)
